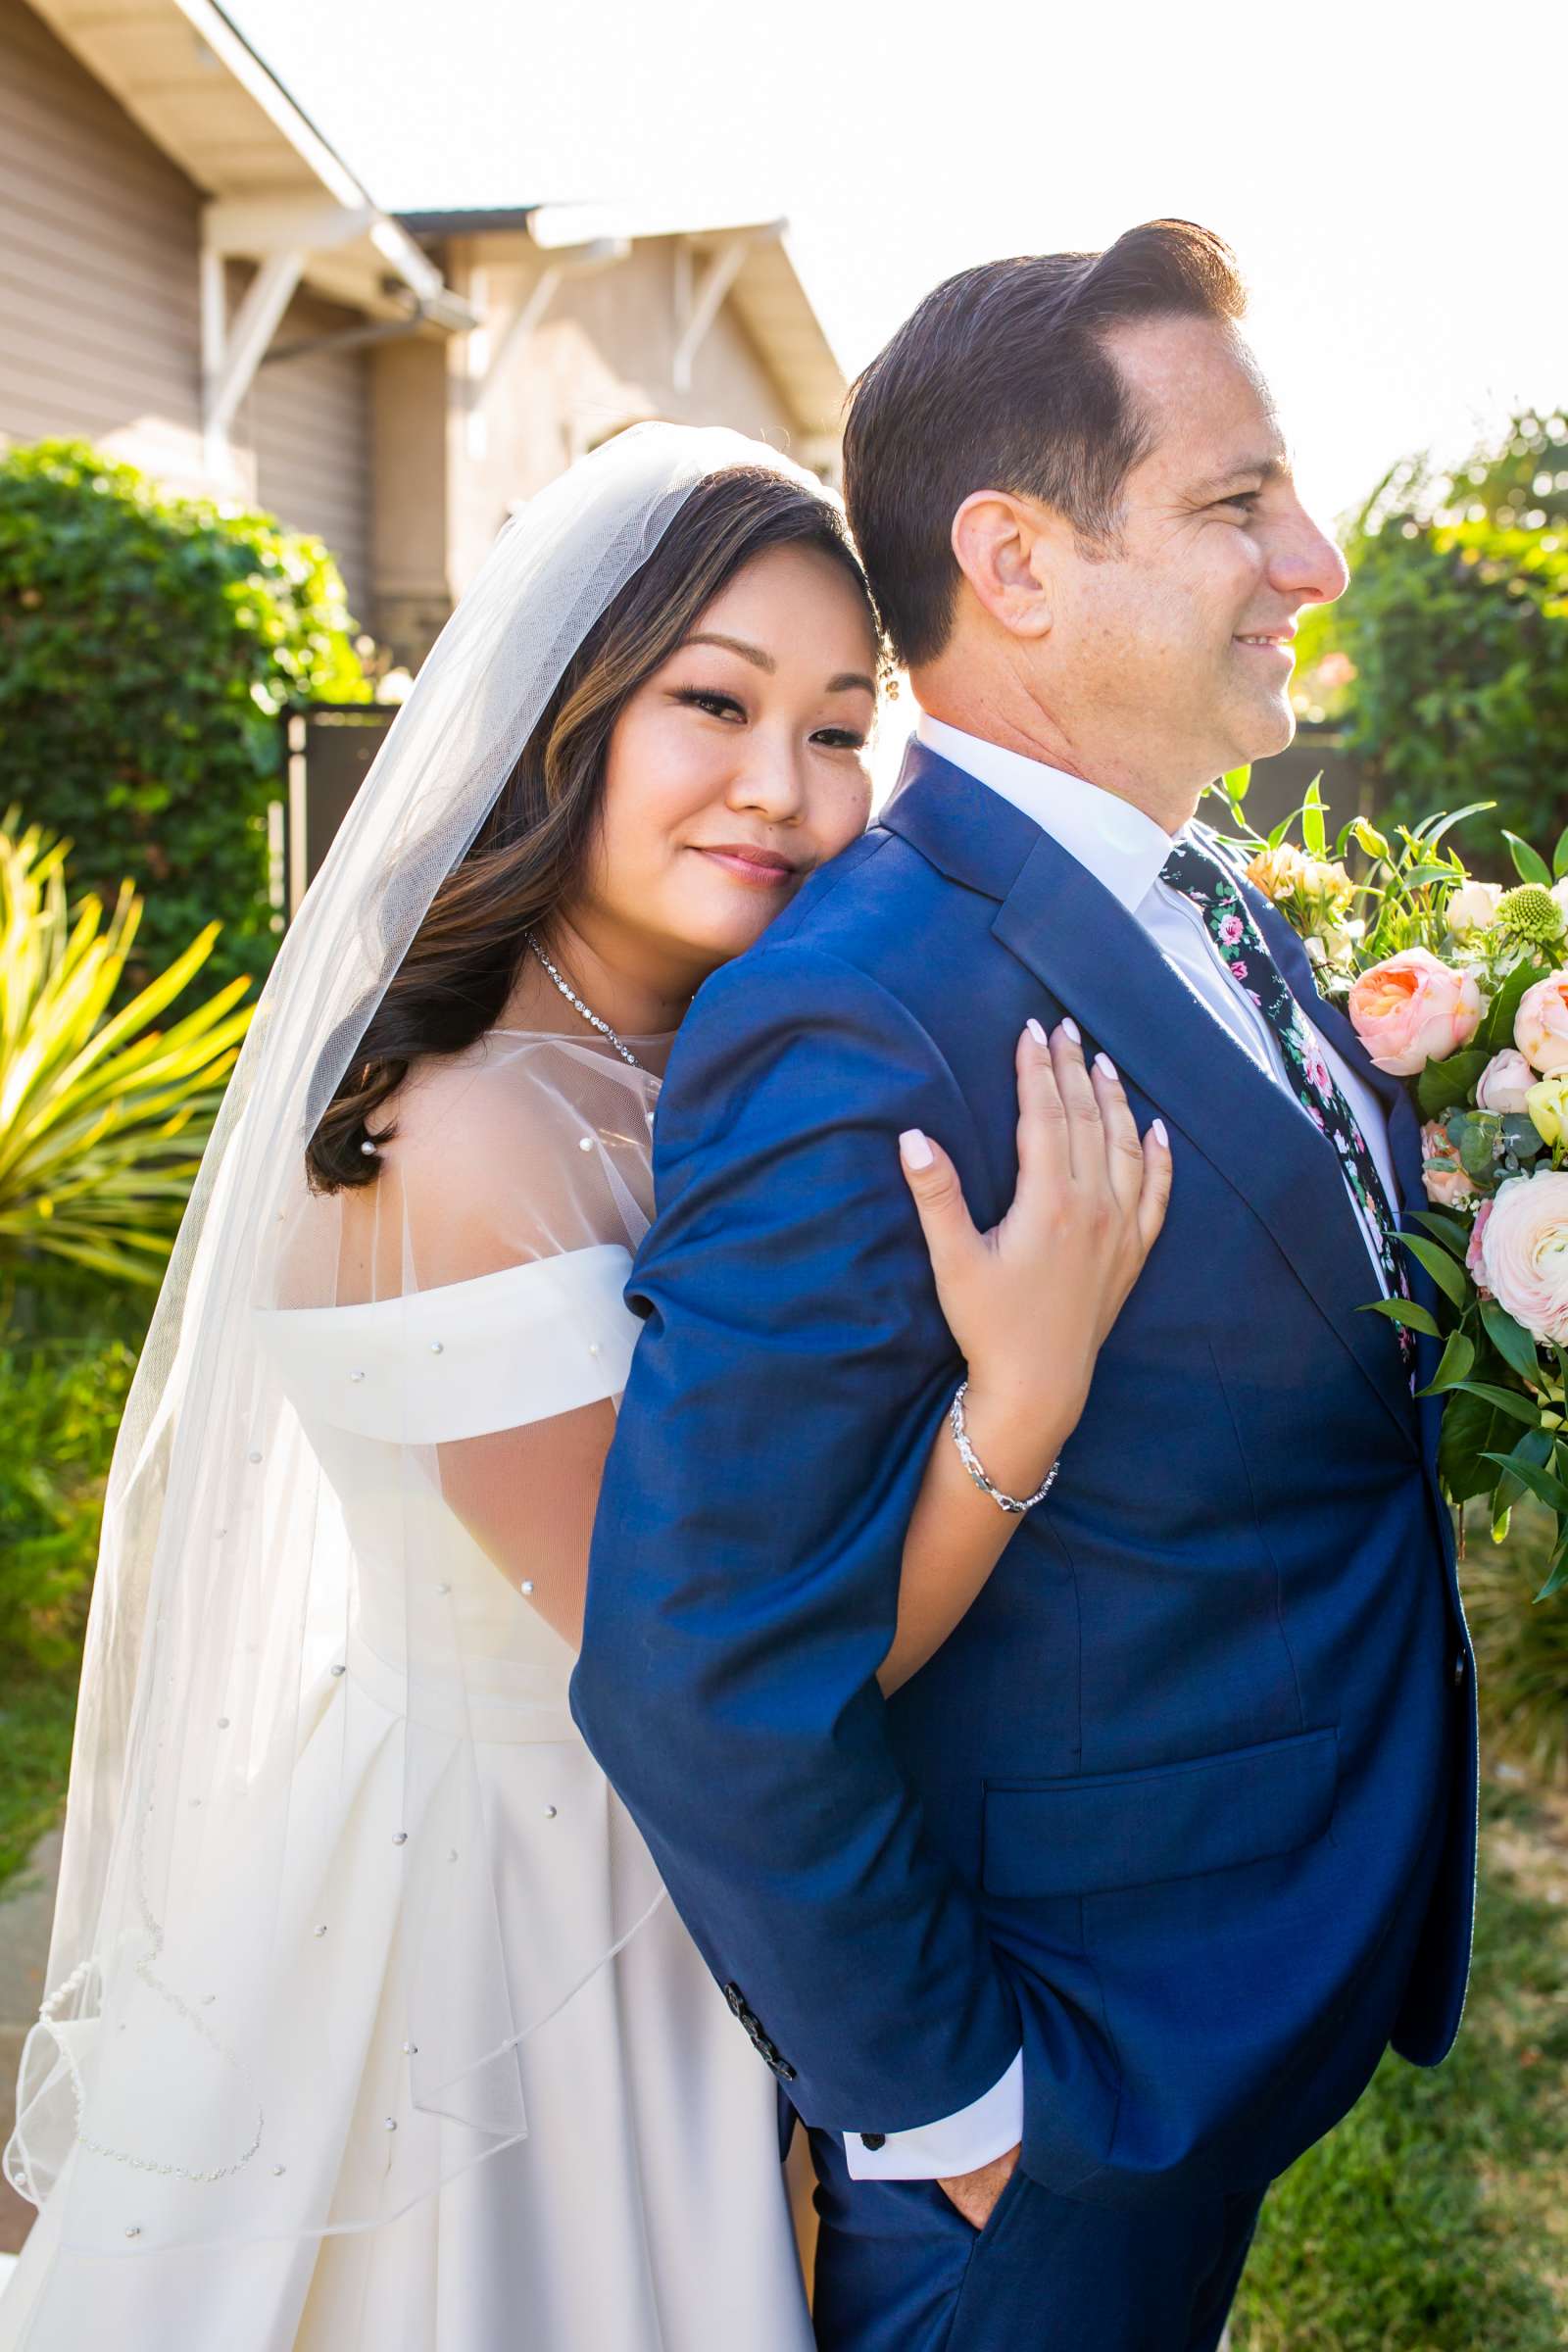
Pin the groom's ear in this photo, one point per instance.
(1002, 546)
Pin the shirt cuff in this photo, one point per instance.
(960, 2143)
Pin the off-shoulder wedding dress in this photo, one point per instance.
(461, 2082)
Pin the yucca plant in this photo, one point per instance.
(103, 1114)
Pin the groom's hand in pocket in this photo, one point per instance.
(975, 2194)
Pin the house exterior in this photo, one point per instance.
(193, 279)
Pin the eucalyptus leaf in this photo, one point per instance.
(1521, 1136)
(1477, 1145)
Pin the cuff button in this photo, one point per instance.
(873, 2141)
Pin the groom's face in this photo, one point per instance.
(1181, 638)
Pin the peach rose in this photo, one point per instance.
(1505, 1083)
(1541, 1024)
(1473, 1265)
(1440, 1169)
(1412, 1008)
(1524, 1252)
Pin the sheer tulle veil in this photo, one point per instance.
(164, 2059)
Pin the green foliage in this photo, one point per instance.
(103, 1115)
(60, 1406)
(1446, 660)
(1428, 2220)
(36, 1714)
(147, 644)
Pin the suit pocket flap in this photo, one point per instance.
(1176, 1821)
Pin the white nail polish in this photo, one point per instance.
(916, 1150)
(1160, 1135)
(1073, 1030)
(1037, 1032)
(1105, 1065)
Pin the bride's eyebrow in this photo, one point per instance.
(846, 679)
(736, 645)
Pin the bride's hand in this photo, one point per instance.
(1030, 1303)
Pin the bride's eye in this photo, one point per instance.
(840, 739)
(715, 705)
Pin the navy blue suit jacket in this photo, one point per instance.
(1165, 1808)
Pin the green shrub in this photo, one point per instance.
(1447, 660)
(60, 1406)
(102, 1116)
(147, 644)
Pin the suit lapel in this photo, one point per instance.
(1096, 960)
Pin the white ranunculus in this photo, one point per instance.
(1474, 906)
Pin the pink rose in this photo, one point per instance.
(1524, 1252)
(1505, 1083)
(1410, 1010)
(1440, 1171)
(1541, 1024)
(1472, 1257)
(1230, 930)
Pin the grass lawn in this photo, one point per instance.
(1435, 2217)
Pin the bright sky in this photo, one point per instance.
(1389, 173)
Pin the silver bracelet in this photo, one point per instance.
(971, 1462)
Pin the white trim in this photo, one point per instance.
(698, 300)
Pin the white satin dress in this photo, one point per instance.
(645, 2208)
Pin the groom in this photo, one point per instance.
(1068, 1949)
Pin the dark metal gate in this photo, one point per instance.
(328, 751)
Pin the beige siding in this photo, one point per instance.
(307, 421)
(99, 328)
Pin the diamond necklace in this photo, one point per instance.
(573, 1000)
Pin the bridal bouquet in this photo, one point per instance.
(1460, 987)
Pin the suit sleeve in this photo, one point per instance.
(743, 1587)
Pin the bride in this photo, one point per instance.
(366, 2022)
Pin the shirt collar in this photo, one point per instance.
(1122, 848)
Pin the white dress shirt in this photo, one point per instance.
(1125, 850)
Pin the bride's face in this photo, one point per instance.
(737, 767)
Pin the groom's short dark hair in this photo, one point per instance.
(1001, 380)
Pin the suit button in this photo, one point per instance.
(1459, 1669)
(873, 2141)
(736, 2000)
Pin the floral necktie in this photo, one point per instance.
(1229, 922)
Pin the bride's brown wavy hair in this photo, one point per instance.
(528, 856)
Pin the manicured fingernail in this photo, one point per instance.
(1035, 1031)
(1105, 1065)
(915, 1150)
(1073, 1030)
(1160, 1136)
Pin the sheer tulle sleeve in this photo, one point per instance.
(509, 1203)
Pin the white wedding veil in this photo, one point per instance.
(165, 2071)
